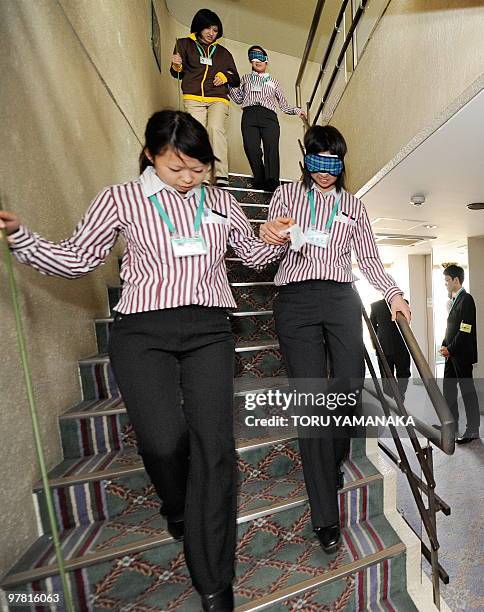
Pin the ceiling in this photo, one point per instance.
(448, 169)
(247, 21)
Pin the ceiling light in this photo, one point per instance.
(417, 199)
(476, 206)
(429, 226)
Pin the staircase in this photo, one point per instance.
(118, 553)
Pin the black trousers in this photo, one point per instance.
(400, 367)
(458, 373)
(261, 124)
(187, 447)
(316, 320)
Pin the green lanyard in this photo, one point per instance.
(329, 222)
(198, 217)
(455, 299)
(202, 51)
(263, 78)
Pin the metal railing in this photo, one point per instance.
(357, 8)
(443, 438)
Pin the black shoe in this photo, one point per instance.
(176, 529)
(258, 185)
(221, 181)
(467, 436)
(340, 480)
(221, 601)
(329, 537)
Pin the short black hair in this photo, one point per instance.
(205, 18)
(455, 271)
(179, 130)
(321, 138)
(257, 48)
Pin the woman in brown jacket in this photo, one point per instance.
(206, 69)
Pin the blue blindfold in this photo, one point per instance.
(323, 163)
(257, 55)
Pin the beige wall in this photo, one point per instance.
(417, 271)
(63, 140)
(423, 55)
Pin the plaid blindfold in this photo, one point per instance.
(323, 163)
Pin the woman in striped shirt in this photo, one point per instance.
(318, 311)
(260, 94)
(171, 330)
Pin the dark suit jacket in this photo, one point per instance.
(386, 330)
(461, 334)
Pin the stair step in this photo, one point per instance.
(102, 486)
(287, 565)
(237, 271)
(245, 180)
(142, 529)
(107, 407)
(245, 196)
(101, 426)
(240, 347)
(253, 358)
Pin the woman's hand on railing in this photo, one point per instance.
(9, 222)
(303, 116)
(398, 304)
(176, 59)
(271, 232)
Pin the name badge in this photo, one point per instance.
(187, 247)
(206, 61)
(317, 237)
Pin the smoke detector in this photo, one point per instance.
(417, 200)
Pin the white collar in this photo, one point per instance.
(151, 184)
(325, 194)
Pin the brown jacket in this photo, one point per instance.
(197, 78)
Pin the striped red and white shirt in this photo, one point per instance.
(152, 278)
(350, 231)
(268, 93)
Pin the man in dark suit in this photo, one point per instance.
(393, 346)
(459, 348)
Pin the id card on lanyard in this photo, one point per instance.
(184, 246)
(314, 236)
(258, 81)
(205, 60)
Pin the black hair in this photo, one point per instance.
(257, 48)
(321, 138)
(205, 18)
(169, 128)
(455, 271)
